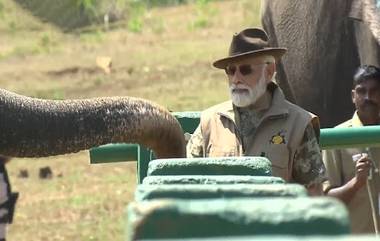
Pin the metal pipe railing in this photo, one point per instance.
(331, 138)
(337, 138)
(118, 152)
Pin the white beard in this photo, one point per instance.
(243, 95)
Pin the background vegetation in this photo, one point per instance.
(160, 50)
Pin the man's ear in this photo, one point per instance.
(353, 96)
(270, 71)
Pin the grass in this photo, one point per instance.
(166, 61)
(86, 203)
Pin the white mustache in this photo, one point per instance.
(234, 87)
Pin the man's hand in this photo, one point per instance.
(315, 189)
(362, 170)
(348, 190)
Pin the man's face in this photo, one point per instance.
(248, 80)
(366, 97)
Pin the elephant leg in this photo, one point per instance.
(281, 77)
(284, 83)
(368, 47)
(321, 57)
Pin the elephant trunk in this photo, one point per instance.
(32, 127)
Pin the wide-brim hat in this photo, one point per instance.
(249, 42)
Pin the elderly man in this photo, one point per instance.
(259, 121)
(348, 169)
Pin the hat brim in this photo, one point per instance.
(277, 53)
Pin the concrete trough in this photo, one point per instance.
(207, 191)
(236, 217)
(212, 179)
(280, 238)
(254, 166)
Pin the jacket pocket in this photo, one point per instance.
(278, 155)
(221, 151)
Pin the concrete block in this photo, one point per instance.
(236, 217)
(212, 179)
(254, 166)
(280, 238)
(205, 191)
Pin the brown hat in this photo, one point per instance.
(249, 42)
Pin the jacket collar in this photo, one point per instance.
(278, 108)
(227, 110)
(355, 121)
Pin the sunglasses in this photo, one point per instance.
(245, 69)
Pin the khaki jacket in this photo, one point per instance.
(341, 169)
(277, 136)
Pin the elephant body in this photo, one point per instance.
(326, 41)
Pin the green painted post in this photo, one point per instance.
(144, 157)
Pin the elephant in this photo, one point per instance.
(31, 127)
(326, 41)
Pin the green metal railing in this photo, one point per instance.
(123, 152)
(336, 138)
(331, 138)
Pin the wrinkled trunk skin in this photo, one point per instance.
(322, 54)
(32, 127)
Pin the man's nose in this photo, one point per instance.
(367, 95)
(236, 78)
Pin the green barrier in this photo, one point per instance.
(218, 217)
(335, 138)
(129, 152)
(134, 152)
(253, 166)
(330, 138)
(122, 153)
(368, 136)
(211, 179)
(280, 238)
(207, 191)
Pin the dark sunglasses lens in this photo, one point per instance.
(230, 70)
(245, 69)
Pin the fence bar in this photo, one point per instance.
(114, 153)
(331, 138)
(335, 138)
(173, 218)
